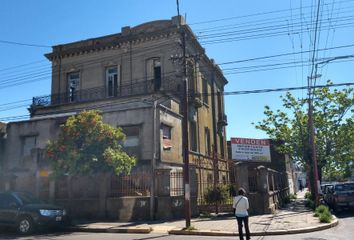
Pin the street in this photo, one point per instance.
(343, 231)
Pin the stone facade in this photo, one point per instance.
(131, 78)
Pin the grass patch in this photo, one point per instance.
(190, 228)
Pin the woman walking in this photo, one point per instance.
(241, 206)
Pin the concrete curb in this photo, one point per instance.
(111, 229)
(261, 233)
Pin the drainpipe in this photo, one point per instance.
(215, 147)
(153, 164)
(60, 66)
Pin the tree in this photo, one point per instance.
(87, 145)
(333, 122)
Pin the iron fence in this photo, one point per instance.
(137, 184)
(176, 183)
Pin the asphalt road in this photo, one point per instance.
(344, 231)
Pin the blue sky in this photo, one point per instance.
(250, 29)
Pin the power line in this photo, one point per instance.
(24, 44)
(251, 15)
(270, 22)
(22, 65)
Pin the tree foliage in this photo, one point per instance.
(87, 145)
(334, 126)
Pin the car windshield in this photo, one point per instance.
(28, 198)
(345, 187)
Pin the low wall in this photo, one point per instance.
(80, 208)
(128, 208)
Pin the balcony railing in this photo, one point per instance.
(170, 84)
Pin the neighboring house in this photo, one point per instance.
(268, 182)
(136, 84)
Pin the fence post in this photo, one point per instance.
(241, 176)
(263, 188)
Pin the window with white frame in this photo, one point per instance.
(73, 85)
(112, 81)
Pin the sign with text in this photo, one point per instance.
(247, 149)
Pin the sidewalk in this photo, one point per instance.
(295, 218)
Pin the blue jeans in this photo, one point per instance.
(239, 223)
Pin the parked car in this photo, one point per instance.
(26, 213)
(325, 190)
(340, 195)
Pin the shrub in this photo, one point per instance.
(321, 209)
(325, 217)
(323, 213)
(308, 195)
(218, 194)
(232, 190)
(310, 204)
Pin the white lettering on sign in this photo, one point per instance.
(250, 149)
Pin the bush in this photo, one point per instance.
(308, 195)
(310, 204)
(321, 209)
(325, 217)
(323, 213)
(232, 190)
(218, 194)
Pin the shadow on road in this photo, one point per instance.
(345, 213)
(10, 233)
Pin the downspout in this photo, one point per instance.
(215, 150)
(59, 87)
(153, 164)
(215, 145)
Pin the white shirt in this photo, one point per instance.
(242, 206)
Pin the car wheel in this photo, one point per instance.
(25, 225)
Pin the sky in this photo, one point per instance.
(243, 37)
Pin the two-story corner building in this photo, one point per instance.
(135, 79)
(2, 149)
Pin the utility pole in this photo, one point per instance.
(311, 127)
(311, 131)
(185, 142)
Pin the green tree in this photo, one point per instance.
(86, 145)
(333, 122)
